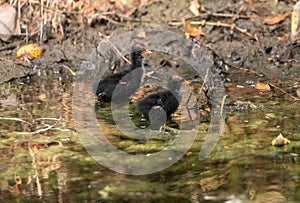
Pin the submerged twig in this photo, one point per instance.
(15, 119)
(222, 106)
(41, 130)
(202, 86)
(52, 119)
(36, 174)
(284, 92)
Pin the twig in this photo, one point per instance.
(204, 22)
(53, 119)
(69, 69)
(202, 86)
(223, 15)
(109, 19)
(114, 47)
(13, 62)
(229, 15)
(283, 91)
(40, 130)
(10, 46)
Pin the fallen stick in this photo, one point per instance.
(219, 24)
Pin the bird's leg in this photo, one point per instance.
(172, 130)
(162, 129)
(99, 98)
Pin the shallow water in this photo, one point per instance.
(50, 164)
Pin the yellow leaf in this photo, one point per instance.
(280, 141)
(29, 51)
(193, 31)
(262, 86)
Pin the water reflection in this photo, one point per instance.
(53, 166)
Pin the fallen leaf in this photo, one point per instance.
(262, 86)
(284, 38)
(272, 20)
(280, 141)
(126, 6)
(188, 153)
(43, 97)
(193, 31)
(195, 7)
(8, 22)
(119, 5)
(29, 51)
(142, 35)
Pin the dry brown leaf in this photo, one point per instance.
(262, 86)
(195, 7)
(119, 5)
(128, 7)
(123, 5)
(192, 31)
(272, 20)
(284, 38)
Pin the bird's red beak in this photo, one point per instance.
(146, 52)
(185, 82)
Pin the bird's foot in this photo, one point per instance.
(163, 130)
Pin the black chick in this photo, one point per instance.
(159, 106)
(122, 85)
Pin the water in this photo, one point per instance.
(50, 164)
